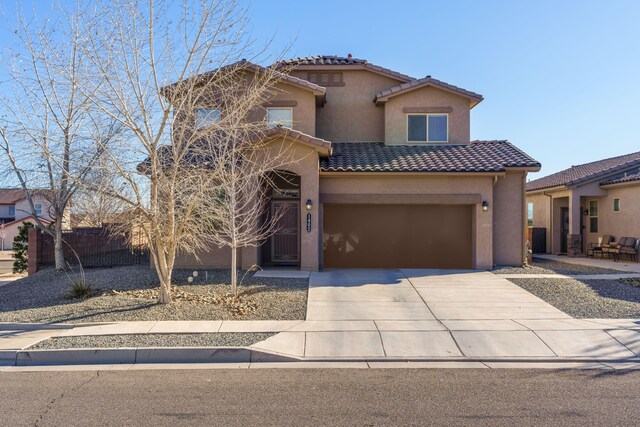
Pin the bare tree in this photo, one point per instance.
(50, 136)
(175, 79)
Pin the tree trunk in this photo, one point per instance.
(59, 246)
(234, 271)
(164, 295)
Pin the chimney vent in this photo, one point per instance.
(349, 56)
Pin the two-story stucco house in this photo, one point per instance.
(15, 210)
(579, 205)
(389, 177)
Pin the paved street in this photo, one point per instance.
(320, 397)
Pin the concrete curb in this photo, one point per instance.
(203, 355)
(115, 356)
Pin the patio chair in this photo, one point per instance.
(599, 248)
(627, 246)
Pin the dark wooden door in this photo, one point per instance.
(285, 243)
(564, 229)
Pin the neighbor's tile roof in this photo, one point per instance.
(325, 60)
(585, 172)
(414, 84)
(478, 156)
(627, 178)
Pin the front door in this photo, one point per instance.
(285, 243)
(564, 229)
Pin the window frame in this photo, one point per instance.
(592, 217)
(269, 125)
(426, 115)
(11, 209)
(37, 208)
(530, 214)
(204, 125)
(619, 205)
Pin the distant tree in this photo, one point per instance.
(49, 134)
(21, 248)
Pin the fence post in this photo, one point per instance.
(33, 252)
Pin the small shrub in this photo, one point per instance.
(21, 248)
(81, 290)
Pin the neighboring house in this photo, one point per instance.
(578, 205)
(15, 210)
(389, 177)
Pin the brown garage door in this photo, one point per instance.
(397, 236)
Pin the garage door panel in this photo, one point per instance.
(397, 236)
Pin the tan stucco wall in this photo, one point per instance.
(508, 220)
(304, 113)
(541, 215)
(212, 259)
(396, 120)
(419, 185)
(350, 113)
(618, 224)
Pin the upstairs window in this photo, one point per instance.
(207, 117)
(38, 208)
(616, 205)
(427, 128)
(279, 117)
(12, 210)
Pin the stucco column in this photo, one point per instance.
(309, 186)
(574, 239)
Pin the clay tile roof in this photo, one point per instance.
(425, 81)
(626, 178)
(478, 156)
(586, 172)
(325, 60)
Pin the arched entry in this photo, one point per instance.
(283, 247)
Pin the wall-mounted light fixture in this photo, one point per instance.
(485, 206)
(309, 204)
(585, 212)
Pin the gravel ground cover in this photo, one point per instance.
(43, 297)
(545, 266)
(610, 299)
(222, 339)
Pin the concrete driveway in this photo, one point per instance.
(444, 295)
(374, 314)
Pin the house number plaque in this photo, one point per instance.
(309, 222)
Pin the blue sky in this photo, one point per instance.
(560, 78)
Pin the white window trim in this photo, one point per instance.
(36, 209)
(280, 108)
(427, 118)
(596, 216)
(613, 208)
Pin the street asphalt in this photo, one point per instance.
(320, 397)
